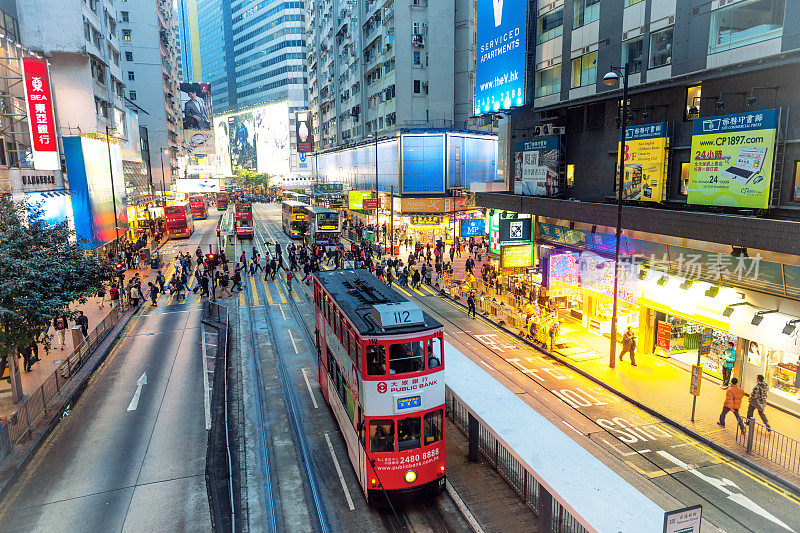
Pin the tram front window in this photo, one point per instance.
(376, 360)
(408, 433)
(434, 352)
(381, 436)
(406, 357)
(433, 427)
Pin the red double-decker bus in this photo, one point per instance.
(199, 206)
(244, 220)
(178, 219)
(222, 201)
(380, 363)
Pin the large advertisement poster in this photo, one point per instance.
(645, 162)
(197, 111)
(515, 230)
(500, 62)
(303, 132)
(90, 181)
(198, 185)
(41, 124)
(731, 161)
(258, 139)
(356, 199)
(537, 167)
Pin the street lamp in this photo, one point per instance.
(376, 188)
(113, 194)
(163, 195)
(611, 79)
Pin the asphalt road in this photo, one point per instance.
(130, 456)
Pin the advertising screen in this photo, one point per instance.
(494, 232)
(197, 185)
(89, 179)
(516, 256)
(731, 161)
(645, 162)
(303, 131)
(55, 206)
(597, 274)
(515, 230)
(356, 199)
(197, 118)
(537, 167)
(562, 271)
(474, 227)
(500, 61)
(258, 139)
(41, 124)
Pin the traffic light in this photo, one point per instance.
(212, 260)
(119, 267)
(218, 231)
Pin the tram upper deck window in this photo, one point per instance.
(406, 357)
(381, 436)
(376, 360)
(434, 352)
(408, 433)
(433, 427)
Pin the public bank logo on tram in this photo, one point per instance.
(382, 387)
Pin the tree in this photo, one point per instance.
(249, 179)
(42, 271)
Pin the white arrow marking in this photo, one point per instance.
(722, 485)
(135, 400)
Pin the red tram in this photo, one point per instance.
(244, 220)
(380, 363)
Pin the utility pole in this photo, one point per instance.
(391, 219)
(113, 194)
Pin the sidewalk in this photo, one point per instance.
(661, 385)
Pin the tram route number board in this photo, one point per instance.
(409, 402)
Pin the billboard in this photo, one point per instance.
(645, 162)
(500, 60)
(515, 230)
(732, 159)
(303, 131)
(473, 227)
(197, 185)
(55, 205)
(41, 122)
(92, 202)
(537, 167)
(356, 199)
(516, 256)
(328, 188)
(197, 113)
(258, 139)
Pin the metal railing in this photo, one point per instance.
(775, 447)
(515, 473)
(40, 402)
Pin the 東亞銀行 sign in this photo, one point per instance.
(500, 56)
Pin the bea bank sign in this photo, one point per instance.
(500, 60)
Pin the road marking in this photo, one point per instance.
(242, 301)
(135, 400)
(269, 293)
(282, 313)
(254, 292)
(571, 427)
(339, 471)
(280, 293)
(293, 343)
(308, 384)
(484, 363)
(468, 516)
(722, 484)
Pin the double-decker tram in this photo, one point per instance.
(222, 201)
(294, 218)
(243, 219)
(199, 206)
(299, 197)
(323, 227)
(380, 363)
(178, 221)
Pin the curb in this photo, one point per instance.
(717, 447)
(17, 461)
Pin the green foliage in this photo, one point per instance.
(42, 271)
(249, 179)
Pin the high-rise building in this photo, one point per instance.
(376, 66)
(150, 73)
(189, 41)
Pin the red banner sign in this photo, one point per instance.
(371, 203)
(41, 123)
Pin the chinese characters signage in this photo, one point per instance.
(686, 520)
(516, 256)
(731, 161)
(328, 188)
(645, 162)
(425, 220)
(41, 123)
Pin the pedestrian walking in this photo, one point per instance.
(758, 401)
(161, 280)
(27, 356)
(237, 279)
(471, 304)
(629, 345)
(60, 324)
(223, 285)
(733, 400)
(134, 295)
(153, 291)
(83, 321)
(729, 360)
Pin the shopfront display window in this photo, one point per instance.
(683, 340)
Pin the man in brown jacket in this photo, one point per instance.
(733, 401)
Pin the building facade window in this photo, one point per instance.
(417, 60)
(586, 11)
(132, 95)
(128, 56)
(692, 102)
(126, 35)
(548, 81)
(131, 75)
(632, 55)
(632, 2)
(744, 23)
(550, 25)
(417, 86)
(661, 48)
(584, 70)
(125, 16)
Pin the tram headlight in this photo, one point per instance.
(411, 476)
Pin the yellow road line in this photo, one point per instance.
(280, 293)
(242, 301)
(294, 295)
(269, 293)
(254, 292)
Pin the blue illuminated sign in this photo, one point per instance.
(475, 227)
(409, 402)
(328, 188)
(500, 61)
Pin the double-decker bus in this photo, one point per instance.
(199, 206)
(222, 201)
(294, 218)
(299, 197)
(178, 221)
(244, 220)
(380, 363)
(323, 227)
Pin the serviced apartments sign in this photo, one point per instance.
(500, 60)
(732, 159)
